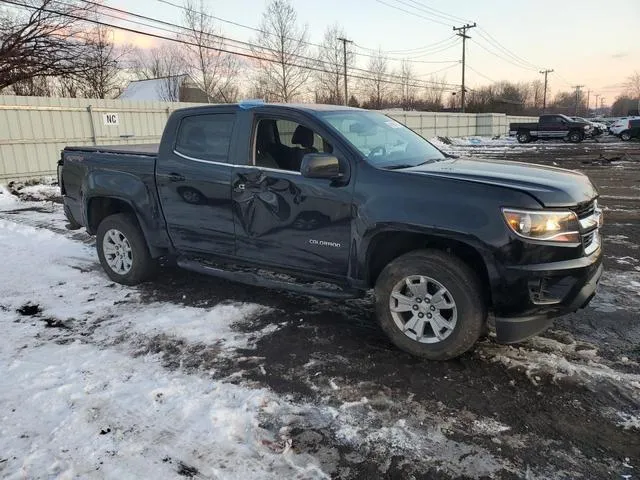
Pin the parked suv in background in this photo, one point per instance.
(632, 130)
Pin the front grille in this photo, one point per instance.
(587, 239)
(585, 209)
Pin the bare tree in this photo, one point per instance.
(41, 40)
(104, 62)
(68, 86)
(434, 92)
(34, 87)
(633, 85)
(166, 63)
(376, 87)
(407, 86)
(537, 94)
(283, 46)
(213, 71)
(331, 62)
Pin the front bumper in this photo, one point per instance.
(517, 329)
(572, 286)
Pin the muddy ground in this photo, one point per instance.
(562, 405)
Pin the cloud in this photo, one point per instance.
(620, 55)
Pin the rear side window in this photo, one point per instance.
(206, 137)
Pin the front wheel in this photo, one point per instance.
(576, 137)
(430, 304)
(122, 250)
(625, 136)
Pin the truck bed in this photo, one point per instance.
(147, 149)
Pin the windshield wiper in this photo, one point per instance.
(407, 165)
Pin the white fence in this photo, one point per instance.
(33, 130)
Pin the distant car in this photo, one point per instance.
(551, 127)
(632, 132)
(621, 125)
(598, 128)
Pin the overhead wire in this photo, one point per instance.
(423, 83)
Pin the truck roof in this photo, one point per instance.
(250, 105)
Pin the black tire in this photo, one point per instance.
(523, 137)
(143, 266)
(463, 285)
(625, 136)
(576, 136)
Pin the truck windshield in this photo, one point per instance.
(383, 141)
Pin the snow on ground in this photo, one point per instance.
(84, 397)
(7, 200)
(72, 409)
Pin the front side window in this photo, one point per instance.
(281, 144)
(206, 137)
(385, 142)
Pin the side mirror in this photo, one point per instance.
(320, 165)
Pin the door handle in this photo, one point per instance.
(176, 177)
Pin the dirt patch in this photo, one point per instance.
(29, 310)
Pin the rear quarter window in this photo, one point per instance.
(206, 137)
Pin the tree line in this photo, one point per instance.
(68, 49)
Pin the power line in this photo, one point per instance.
(502, 57)
(219, 49)
(438, 13)
(411, 50)
(481, 74)
(412, 13)
(251, 47)
(438, 71)
(495, 43)
(312, 44)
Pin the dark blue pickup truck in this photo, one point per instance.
(335, 201)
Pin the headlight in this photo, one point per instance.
(562, 227)
(588, 127)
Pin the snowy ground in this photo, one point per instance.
(192, 377)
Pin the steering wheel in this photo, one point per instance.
(379, 149)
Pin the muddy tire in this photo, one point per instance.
(430, 304)
(625, 136)
(575, 136)
(122, 250)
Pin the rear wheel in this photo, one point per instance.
(523, 137)
(430, 304)
(576, 136)
(625, 136)
(122, 250)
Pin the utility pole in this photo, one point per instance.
(464, 36)
(344, 50)
(588, 101)
(544, 97)
(577, 87)
(597, 95)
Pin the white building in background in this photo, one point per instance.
(177, 88)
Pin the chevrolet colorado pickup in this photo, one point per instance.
(551, 127)
(335, 201)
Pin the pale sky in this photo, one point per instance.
(587, 42)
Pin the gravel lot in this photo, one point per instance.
(562, 405)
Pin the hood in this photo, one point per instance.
(551, 186)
